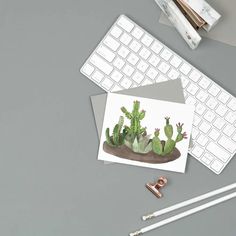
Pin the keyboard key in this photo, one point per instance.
(223, 97)
(107, 83)
(204, 127)
(97, 76)
(147, 40)
(156, 47)
(116, 32)
(125, 24)
(185, 94)
(144, 53)
(101, 64)
(135, 46)
(195, 133)
(166, 54)
(88, 69)
(204, 83)
(106, 53)
(214, 90)
(214, 134)
(146, 82)
(134, 85)
(163, 67)
(192, 88)
(111, 43)
(202, 96)
(126, 83)
(174, 74)
(197, 151)
(142, 66)
(185, 68)
(227, 144)
(209, 116)
(175, 61)
(221, 110)
(133, 59)
(116, 76)
(207, 158)
(128, 70)
(191, 101)
(234, 137)
(217, 165)
(152, 73)
(137, 33)
(118, 63)
(196, 120)
(138, 77)
(232, 104)
(218, 151)
(219, 123)
(185, 81)
(202, 140)
(195, 76)
(230, 117)
(228, 130)
(211, 103)
(200, 109)
(123, 52)
(161, 78)
(154, 60)
(125, 38)
(116, 88)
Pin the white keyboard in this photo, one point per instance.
(128, 57)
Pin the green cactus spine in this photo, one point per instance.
(117, 138)
(166, 147)
(135, 118)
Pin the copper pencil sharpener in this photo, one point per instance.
(155, 187)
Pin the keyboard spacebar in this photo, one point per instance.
(218, 152)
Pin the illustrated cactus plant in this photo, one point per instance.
(135, 118)
(132, 142)
(162, 147)
(118, 136)
(141, 144)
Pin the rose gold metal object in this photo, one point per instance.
(195, 20)
(155, 187)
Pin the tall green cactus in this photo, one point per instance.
(135, 118)
(117, 138)
(166, 147)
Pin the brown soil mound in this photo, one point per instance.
(150, 157)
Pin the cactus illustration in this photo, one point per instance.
(135, 118)
(117, 138)
(157, 146)
(135, 138)
(165, 147)
(141, 144)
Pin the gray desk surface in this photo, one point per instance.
(50, 181)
